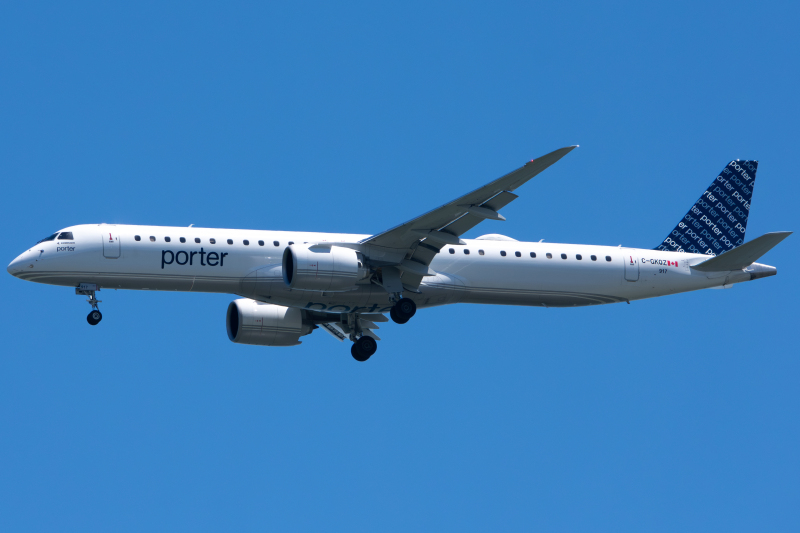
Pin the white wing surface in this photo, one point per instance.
(410, 247)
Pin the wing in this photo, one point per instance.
(412, 246)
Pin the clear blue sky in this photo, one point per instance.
(674, 414)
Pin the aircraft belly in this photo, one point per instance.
(542, 284)
(533, 297)
(50, 277)
(144, 282)
(437, 290)
(365, 298)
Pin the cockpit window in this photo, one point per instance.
(50, 238)
(66, 236)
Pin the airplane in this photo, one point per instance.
(291, 283)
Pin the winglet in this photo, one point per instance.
(744, 255)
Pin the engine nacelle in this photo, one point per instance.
(252, 322)
(322, 268)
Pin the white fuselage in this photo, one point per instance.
(481, 271)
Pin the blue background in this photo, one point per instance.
(678, 413)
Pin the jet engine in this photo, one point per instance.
(322, 268)
(252, 322)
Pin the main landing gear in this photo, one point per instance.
(363, 348)
(86, 289)
(403, 310)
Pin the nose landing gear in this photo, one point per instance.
(94, 317)
(88, 289)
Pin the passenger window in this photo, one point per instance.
(549, 255)
(608, 258)
(466, 252)
(152, 239)
(518, 254)
(183, 239)
(594, 258)
(167, 239)
(197, 240)
(261, 243)
(503, 253)
(291, 243)
(579, 257)
(230, 241)
(480, 252)
(212, 241)
(276, 243)
(65, 236)
(533, 254)
(137, 238)
(452, 251)
(563, 256)
(246, 242)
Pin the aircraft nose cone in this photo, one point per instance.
(17, 266)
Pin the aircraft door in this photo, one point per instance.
(631, 268)
(110, 245)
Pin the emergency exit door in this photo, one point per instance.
(110, 245)
(631, 268)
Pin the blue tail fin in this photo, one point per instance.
(717, 222)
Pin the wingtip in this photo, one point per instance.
(563, 151)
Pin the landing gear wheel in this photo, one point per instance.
(356, 355)
(403, 310)
(395, 318)
(363, 348)
(94, 317)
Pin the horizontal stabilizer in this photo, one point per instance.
(744, 255)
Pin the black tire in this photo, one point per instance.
(397, 319)
(406, 307)
(367, 345)
(403, 310)
(363, 348)
(94, 317)
(356, 354)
